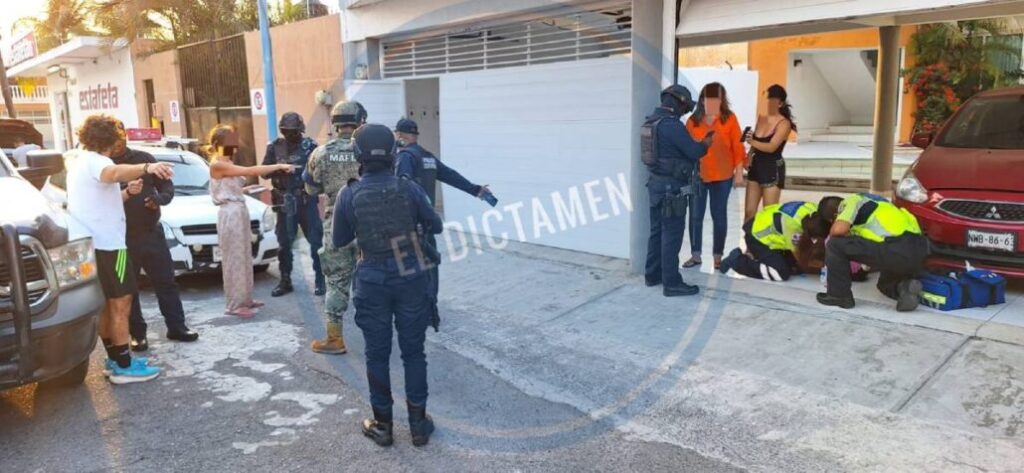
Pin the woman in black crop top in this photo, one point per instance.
(766, 171)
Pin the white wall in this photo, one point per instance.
(740, 85)
(532, 131)
(853, 82)
(384, 100)
(815, 104)
(84, 86)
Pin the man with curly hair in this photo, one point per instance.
(95, 199)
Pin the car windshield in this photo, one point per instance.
(191, 174)
(988, 123)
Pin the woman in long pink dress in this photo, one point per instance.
(227, 188)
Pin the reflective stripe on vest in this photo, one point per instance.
(777, 225)
(886, 221)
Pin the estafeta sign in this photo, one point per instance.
(100, 97)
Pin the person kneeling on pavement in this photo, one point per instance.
(771, 238)
(381, 213)
(869, 229)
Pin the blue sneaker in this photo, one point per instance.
(109, 365)
(137, 372)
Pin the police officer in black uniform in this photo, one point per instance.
(387, 216)
(416, 163)
(293, 205)
(673, 157)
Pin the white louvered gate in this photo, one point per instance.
(567, 36)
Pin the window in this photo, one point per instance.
(988, 123)
(570, 36)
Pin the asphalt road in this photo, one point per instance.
(251, 397)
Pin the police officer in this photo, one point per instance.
(330, 168)
(293, 205)
(869, 229)
(420, 165)
(771, 238)
(382, 213)
(672, 156)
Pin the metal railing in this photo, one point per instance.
(41, 94)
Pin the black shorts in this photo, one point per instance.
(117, 276)
(768, 172)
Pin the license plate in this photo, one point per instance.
(217, 255)
(998, 241)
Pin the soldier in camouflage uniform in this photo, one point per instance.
(331, 167)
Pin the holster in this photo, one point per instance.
(675, 204)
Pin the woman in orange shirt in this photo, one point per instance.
(720, 170)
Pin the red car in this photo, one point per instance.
(967, 187)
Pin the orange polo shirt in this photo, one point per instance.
(726, 152)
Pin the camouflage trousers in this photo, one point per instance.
(338, 265)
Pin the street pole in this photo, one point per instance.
(268, 71)
(6, 89)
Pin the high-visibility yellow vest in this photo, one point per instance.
(778, 226)
(873, 218)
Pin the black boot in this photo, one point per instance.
(378, 429)
(321, 287)
(680, 290)
(420, 424)
(283, 287)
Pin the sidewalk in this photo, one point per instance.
(752, 373)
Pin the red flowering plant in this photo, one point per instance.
(932, 85)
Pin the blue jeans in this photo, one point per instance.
(380, 301)
(305, 214)
(718, 192)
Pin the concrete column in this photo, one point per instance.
(887, 99)
(648, 63)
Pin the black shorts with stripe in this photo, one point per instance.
(117, 276)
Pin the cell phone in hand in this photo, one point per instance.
(746, 133)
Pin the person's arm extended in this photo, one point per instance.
(425, 211)
(840, 228)
(131, 172)
(343, 228)
(164, 187)
(452, 177)
(221, 170)
(679, 138)
(781, 135)
(405, 167)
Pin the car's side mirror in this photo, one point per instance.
(922, 140)
(42, 164)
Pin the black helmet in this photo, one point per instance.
(292, 121)
(406, 125)
(680, 93)
(348, 112)
(373, 142)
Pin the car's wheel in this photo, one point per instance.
(72, 378)
(261, 268)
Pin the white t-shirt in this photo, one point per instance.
(95, 203)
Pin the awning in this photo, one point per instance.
(705, 22)
(77, 51)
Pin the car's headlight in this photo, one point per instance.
(911, 190)
(269, 220)
(171, 240)
(74, 263)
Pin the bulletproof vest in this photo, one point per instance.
(426, 169)
(337, 166)
(384, 219)
(283, 181)
(676, 167)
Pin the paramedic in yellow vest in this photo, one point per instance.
(869, 229)
(771, 238)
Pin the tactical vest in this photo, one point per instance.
(384, 219)
(336, 167)
(649, 141)
(777, 225)
(290, 182)
(876, 219)
(425, 165)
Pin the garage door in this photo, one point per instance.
(545, 138)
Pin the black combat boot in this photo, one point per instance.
(378, 429)
(283, 287)
(420, 424)
(321, 286)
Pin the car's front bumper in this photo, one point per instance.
(194, 253)
(948, 235)
(63, 335)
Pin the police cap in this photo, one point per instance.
(406, 125)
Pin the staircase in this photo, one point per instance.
(855, 134)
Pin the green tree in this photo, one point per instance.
(63, 20)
